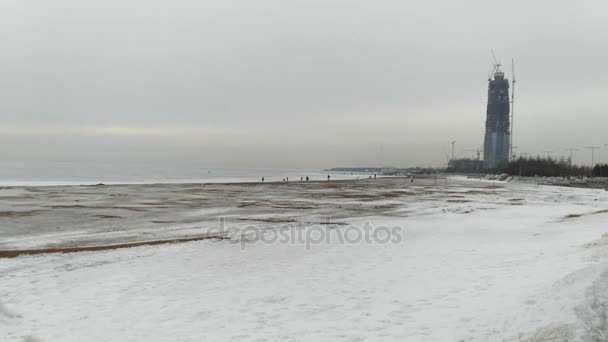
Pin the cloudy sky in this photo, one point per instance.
(295, 83)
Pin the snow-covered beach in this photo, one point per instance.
(477, 261)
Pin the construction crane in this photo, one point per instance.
(512, 105)
(496, 61)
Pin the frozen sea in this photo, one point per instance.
(475, 261)
(43, 173)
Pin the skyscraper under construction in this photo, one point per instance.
(498, 135)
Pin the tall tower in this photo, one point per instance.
(497, 138)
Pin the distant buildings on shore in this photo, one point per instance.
(497, 149)
(498, 135)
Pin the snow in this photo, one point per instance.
(498, 264)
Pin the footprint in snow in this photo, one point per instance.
(5, 312)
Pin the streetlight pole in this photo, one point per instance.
(592, 148)
(570, 149)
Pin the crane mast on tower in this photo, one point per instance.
(497, 141)
(511, 155)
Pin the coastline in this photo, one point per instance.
(478, 262)
(76, 216)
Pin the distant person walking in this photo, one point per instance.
(307, 178)
(288, 179)
(262, 179)
(374, 176)
(411, 179)
(301, 179)
(328, 178)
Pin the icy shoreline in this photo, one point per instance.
(477, 263)
(74, 216)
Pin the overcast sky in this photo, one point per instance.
(295, 83)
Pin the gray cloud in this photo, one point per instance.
(293, 82)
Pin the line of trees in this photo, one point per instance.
(532, 166)
(600, 170)
(549, 167)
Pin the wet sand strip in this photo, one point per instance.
(12, 253)
(364, 178)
